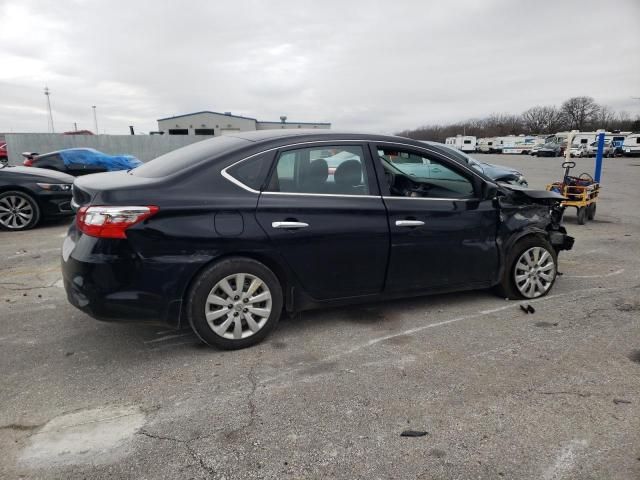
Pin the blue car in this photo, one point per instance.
(81, 161)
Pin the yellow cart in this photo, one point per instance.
(580, 192)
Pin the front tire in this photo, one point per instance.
(582, 215)
(531, 269)
(234, 303)
(18, 211)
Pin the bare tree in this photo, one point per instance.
(580, 111)
(604, 118)
(542, 119)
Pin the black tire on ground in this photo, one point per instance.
(205, 282)
(582, 215)
(16, 194)
(591, 211)
(507, 287)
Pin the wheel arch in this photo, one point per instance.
(514, 238)
(267, 260)
(22, 189)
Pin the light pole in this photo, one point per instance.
(95, 118)
(47, 92)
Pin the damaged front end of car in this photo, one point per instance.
(525, 212)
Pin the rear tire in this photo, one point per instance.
(582, 215)
(591, 211)
(234, 303)
(18, 211)
(514, 284)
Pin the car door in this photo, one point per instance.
(323, 212)
(443, 236)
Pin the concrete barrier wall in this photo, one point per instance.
(144, 147)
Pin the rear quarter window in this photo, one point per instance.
(253, 171)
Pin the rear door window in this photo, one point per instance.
(338, 170)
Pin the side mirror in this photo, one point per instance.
(489, 191)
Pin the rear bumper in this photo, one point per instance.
(109, 282)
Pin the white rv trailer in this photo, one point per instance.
(584, 138)
(485, 145)
(631, 145)
(466, 143)
(521, 144)
(500, 143)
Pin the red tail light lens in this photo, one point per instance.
(28, 162)
(111, 222)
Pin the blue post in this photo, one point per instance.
(598, 172)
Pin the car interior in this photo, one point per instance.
(412, 175)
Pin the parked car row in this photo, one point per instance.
(41, 188)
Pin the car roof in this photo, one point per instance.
(310, 134)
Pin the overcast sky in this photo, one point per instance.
(378, 66)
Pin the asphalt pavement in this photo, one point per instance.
(495, 392)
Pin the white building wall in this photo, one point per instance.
(220, 123)
(289, 125)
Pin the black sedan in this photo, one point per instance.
(226, 234)
(27, 195)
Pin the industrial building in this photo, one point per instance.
(215, 123)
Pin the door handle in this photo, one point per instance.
(409, 223)
(289, 225)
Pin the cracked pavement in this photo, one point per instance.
(502, 394)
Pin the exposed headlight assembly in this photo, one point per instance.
(55, 187)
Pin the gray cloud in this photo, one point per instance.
(367, 65)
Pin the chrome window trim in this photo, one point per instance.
(322, 194)
(432, 198)
(238, 183)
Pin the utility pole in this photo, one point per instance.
(47, 92)
(95, 118)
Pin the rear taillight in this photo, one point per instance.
(111, 222)
(28, 162)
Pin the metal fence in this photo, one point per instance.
(144, 147)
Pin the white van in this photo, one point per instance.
(631, 145)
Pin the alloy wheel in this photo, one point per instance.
(534, 272)
(238, 306)
(15, 212)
